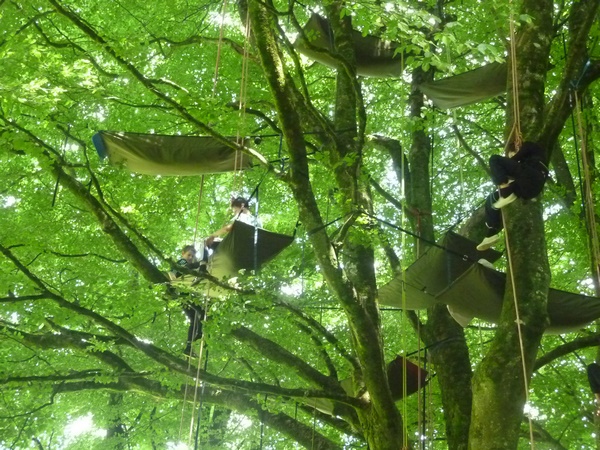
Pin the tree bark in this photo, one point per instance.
(500, 383)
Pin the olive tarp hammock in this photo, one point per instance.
(378, 58)
(450, 274)
(158, 154)
(470, 87)
(374, 57)
(244, 247)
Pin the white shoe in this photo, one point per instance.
(503, 201)
(488, 242)
(486, 263)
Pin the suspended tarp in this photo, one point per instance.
(157, 154)
(416, 378)
(471, 289)
(479, 292)
(466, 88)
(244, 248)
(433, 272)
(374, 57)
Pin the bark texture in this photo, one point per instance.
(353, 282)
(499, 384)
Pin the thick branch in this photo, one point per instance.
(275, 352)
(562, 350)
(107, 224)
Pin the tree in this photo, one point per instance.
(86, 246)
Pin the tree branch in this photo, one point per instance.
(277, 353)
(592, 340)
(582, 15)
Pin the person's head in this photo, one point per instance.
(188, 253)
(238, 204)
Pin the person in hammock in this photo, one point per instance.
(239, 207)
(520, 175)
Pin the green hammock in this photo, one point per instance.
(378, 58)
(374, 57)
(471, 289)
(157, 154)
(239, 250)
(468, 87)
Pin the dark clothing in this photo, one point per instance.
(194, 312)
(593, 373)
(527, 168)
(196, 315)
(493, 216)
(183, 263)
(528, 172)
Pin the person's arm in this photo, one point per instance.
(220, 232)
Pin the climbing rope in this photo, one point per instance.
(403, 317)
(200, 195)
(420, 422)
(239, 156)
(515, 133)
(589, 198)
(519, 331)
(198, 398)
(515, 136)
(219, 46)
(200, 192)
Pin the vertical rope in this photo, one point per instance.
(219, 46)
(403, 318)
(239, 156)
(200, 195)
(201, 191)
(519, 331)
(589, 198)
(255, 239)
(516, 131)
(197, 440)
(419, 422)
(198, 399)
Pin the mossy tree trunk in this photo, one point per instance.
(348, 266)
(448, 348)
(499, 383)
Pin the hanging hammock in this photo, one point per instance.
(467, 88)
(471, 289)
(433, 272)
(238, 251)
(374, 57)
(378, 58)
(157, 154)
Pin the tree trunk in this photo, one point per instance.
(448, 350)
(500, 382)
